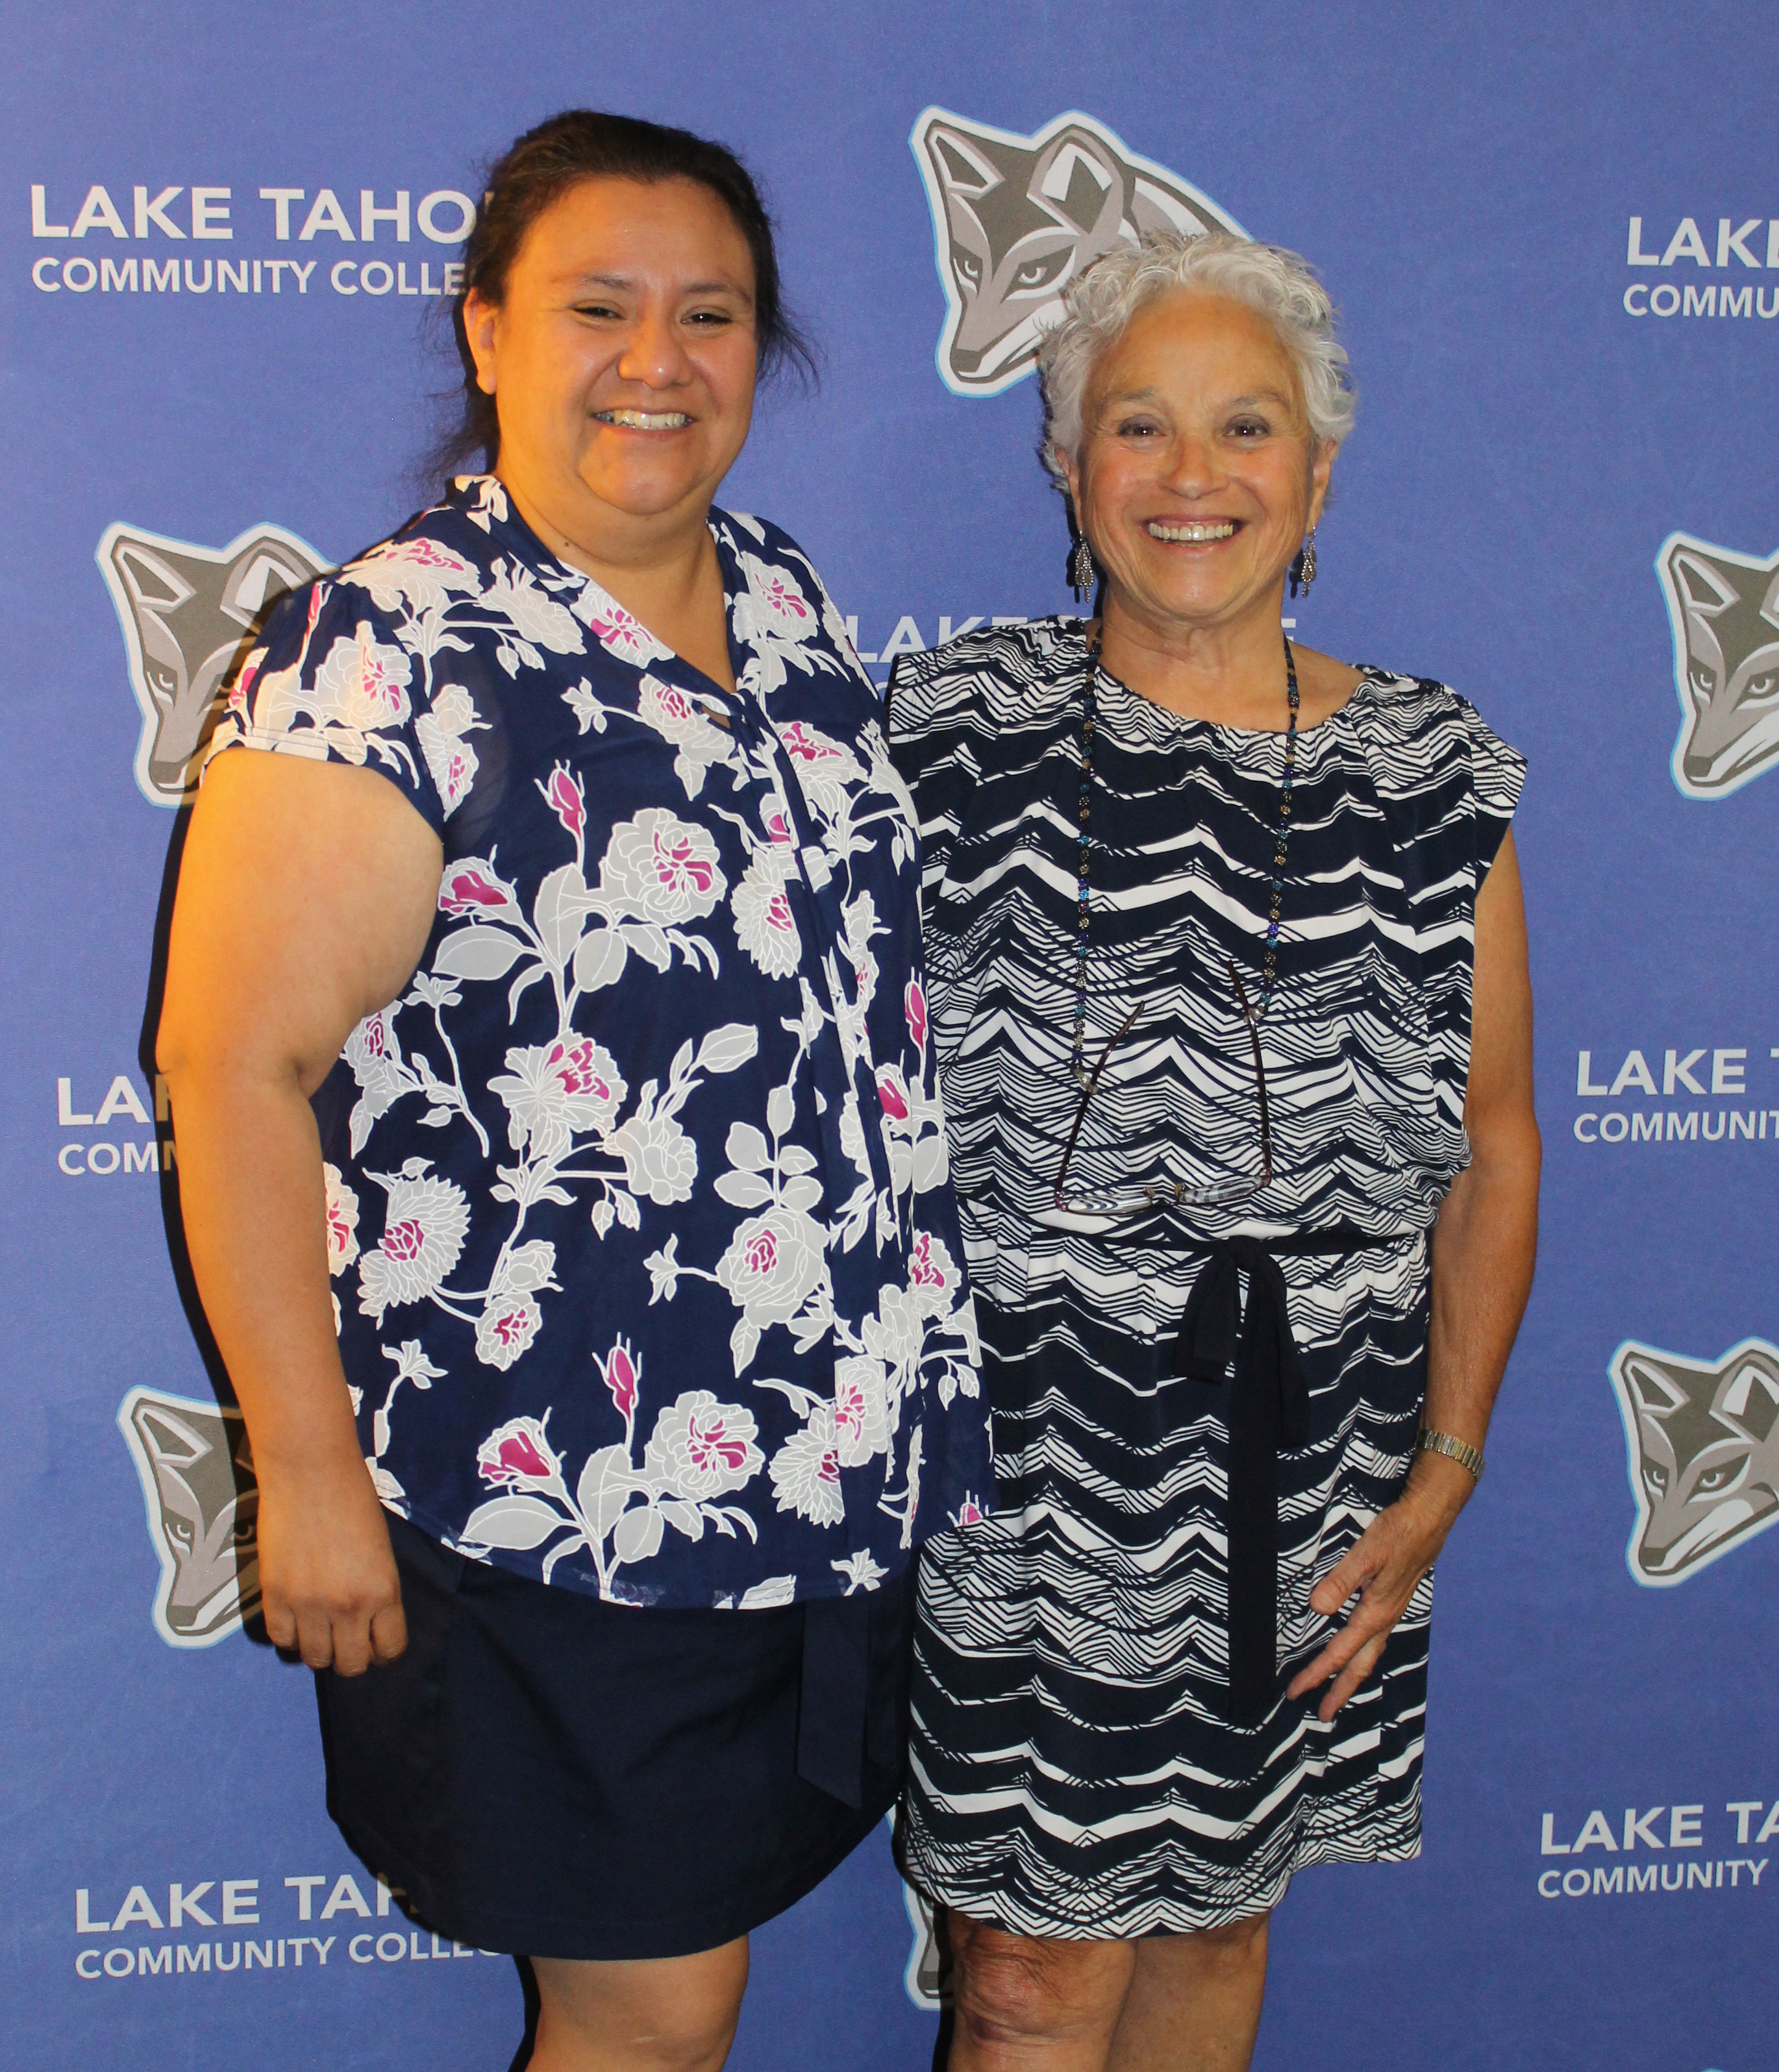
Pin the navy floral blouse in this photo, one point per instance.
(646, 1261)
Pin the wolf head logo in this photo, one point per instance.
(1724, 607)
(188, 614)
(197, 1478)
(1016, 218)
(921, 1979)
(1704, 1454)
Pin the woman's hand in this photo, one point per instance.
(1484, 1245)
(328, 1575)
(1385, 1569)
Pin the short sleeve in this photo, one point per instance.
(333, 680)
(930, 715)
(1497, 775)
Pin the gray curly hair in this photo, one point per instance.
(1275, 284)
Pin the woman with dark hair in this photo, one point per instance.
(559, 1155)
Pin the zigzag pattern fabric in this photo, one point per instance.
(1074, 1771)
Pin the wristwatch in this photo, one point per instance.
(1454, 1449)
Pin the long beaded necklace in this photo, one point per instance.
(1090, 727)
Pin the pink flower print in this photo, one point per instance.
(406, 1239)
(616, 629)
(664, 868)
(702, 1449)
(375, 1036)
(340, 1208)
(807, 747)
(468, 889)
(806, 1471)
(519, 1456)
(381, 688)
(679, 866)
(765, 927)
(622, 1376)
(969, 1512)
(892, 1094)
(575, 1068)
(781, 597)
(712, 1445)
(775, 1263)
(244, 682)
(567, 800)
(506, 1328)
(914, 1005)
(778, 828)
(933, 1277)
(423, 1240)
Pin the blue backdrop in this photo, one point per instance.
(1555, 237)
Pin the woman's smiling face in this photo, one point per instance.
(623, 354)
(1198, 475)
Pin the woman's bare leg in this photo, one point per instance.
(1034, 2003)
(1194, 2003)
(660, 2014)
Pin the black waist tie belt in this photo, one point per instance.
(1269, 1409)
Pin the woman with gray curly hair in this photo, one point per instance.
(1230, 997)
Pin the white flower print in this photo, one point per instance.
(660, 1161)
(506, 1328)
(647, 901)
(765, 927)
(554, 1092)
(662, 869)
(420, 575)
(342, 1216)
(373, 1053)
(775, 1262)
(824, 765)
(774, 604)
(701, 1448)
(806, 1471)
(932, 1276)
(676, 715)
(487, 498)
(616, 630)
(861, 925)
(768, 1596)
(423, 1233)
(861, 1419)
(363, 682)
(895, 1334)
(860, 1571)
(535, 616)
(449, 757)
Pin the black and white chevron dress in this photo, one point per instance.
(1077, 1768)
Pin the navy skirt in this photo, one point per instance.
(546, 1774)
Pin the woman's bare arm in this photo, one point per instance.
(1484, 1245)
(305, 895)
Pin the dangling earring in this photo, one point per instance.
(1081, 568)
(1302, 570)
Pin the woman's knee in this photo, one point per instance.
(1235, 1947)
(667, 2015)
(1022, 1988)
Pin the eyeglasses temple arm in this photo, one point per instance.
(1259, 1072)
(1080, 1113)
